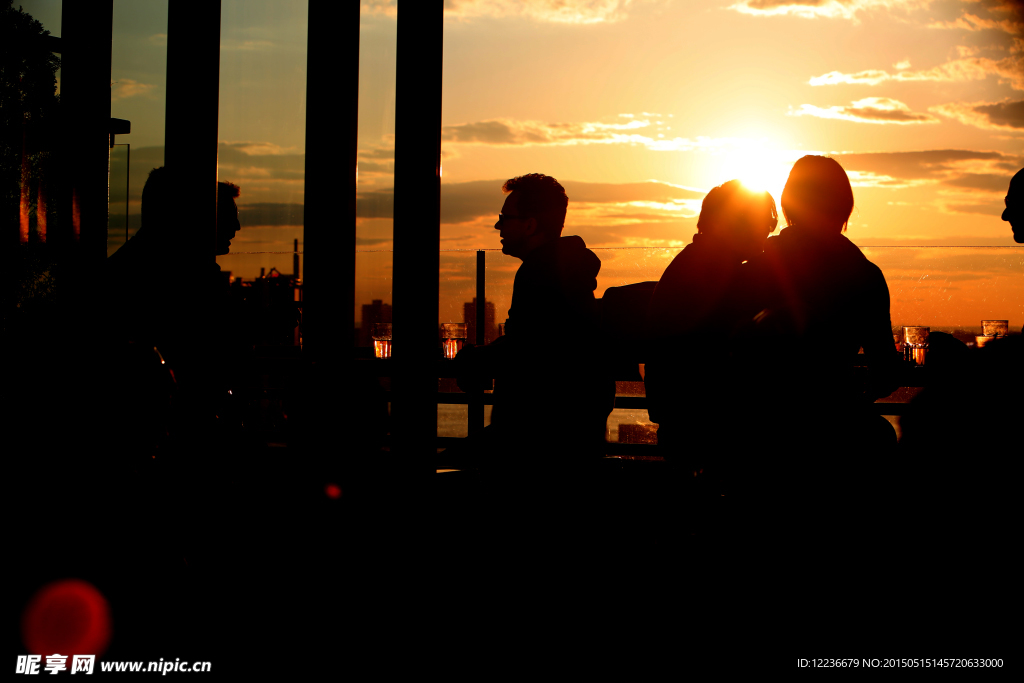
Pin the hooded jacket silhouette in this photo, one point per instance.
(551, 347)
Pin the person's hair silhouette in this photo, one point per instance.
(533, 213)
(157, 205)
(818, 195)
(699, 299)
(1014, 212)
(737, 218)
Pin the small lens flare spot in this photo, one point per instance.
(67, 616)
(333, 491)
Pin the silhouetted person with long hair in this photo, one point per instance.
(549, 351)
(820, 299)
(815, 302)
(693, 313)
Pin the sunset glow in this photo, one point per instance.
(638, 108)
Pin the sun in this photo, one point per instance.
(759, 165)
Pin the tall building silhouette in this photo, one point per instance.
(374, 312)
(469, 317)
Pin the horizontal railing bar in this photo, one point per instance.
(633, 402)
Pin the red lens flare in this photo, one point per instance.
(67, 617)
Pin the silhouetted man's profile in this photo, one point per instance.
(693, 313)
(550, 394)
(146, 273)
(167, 292)
(1014, 212)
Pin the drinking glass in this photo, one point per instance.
(381, 333)
(995, 328)
(983, 339)
(915, 344)
(453, 338)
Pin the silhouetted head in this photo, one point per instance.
(158, 207)
(156, 204)
(818, 195)
(1014, 212)
(227, 215)
(533, 213)
(737, 218)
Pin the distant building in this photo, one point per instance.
(374, 312)
(469, 317)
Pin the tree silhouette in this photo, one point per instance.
(29, 111)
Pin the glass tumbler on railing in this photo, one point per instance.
(381, 333)
(453, 338)
(915, 344)
(995, 328)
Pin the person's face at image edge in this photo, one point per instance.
(1013, 212)
(227, 226)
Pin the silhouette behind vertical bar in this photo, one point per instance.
(329, 228)
(417, 234)
(476, 404)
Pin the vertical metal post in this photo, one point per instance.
(476, 403)
(127, 187)
(417, 235)
(86, 31)
(329, 229)
(190, 128)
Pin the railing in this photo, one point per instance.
(628, 397)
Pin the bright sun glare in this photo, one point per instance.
(757, 166)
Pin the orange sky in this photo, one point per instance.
(638, 107)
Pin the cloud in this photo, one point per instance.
(482, 199)
(1008, 115)
(829, 9)
(246, 45)
(375, 204)
(992, 182)
(972, 22)
(549, 11)
(240, 161)
(895, 170)
(125, 87)
(270, 213)
(649, 132)
(989, 209)
(511, 132)
(868, 110)
(959, 70)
